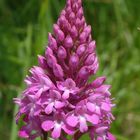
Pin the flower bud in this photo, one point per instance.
(48, 51)
(42, 62)
(78, 23)
(90, 59)
(94, 67)
(72, 16)
(58, 32)
(55, 28)
(98, 82)
(79, 2)
(80, 50)
(84, 72)
(52, 42)
(51, 60)
(83, 37)
(62, 52)
(91, 47)
(63, 20)
(68, 10)
(75, 7)
(74, 61)
(60, 35)
(87, 30)
(83, 21)
(101, 130)
(58, 71)
(80, 13)
(68, 43)
(74, 32)
(63, 12)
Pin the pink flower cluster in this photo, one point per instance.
(59, 100)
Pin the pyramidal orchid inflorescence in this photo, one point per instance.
(59, 100)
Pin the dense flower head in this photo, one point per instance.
(59, 99)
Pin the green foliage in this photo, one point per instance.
(24, 26)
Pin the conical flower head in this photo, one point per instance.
(59, 99)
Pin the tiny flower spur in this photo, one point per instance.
(59, 100)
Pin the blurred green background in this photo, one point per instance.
(24, 26)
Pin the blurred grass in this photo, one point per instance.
(23, 34)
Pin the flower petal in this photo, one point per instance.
(68, 130)
(106, 107)
(83, 124)
(47, 125)
(49, 108)
(110, 136)
(23, 134)
(59, 104)
(66, 94)
(94, 119)
(101, 130)
(56, 131)
(72, 121)
(91, 107)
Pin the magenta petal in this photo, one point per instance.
(106, 107)
(110, 136)
(56, 131)
(101, 130)
(23, 134)
(98, 110)
(66, 94)
(47, 125)
(91, 107)
(83, 124)
(59, 104)
(94, 119)
(68, 130)
(98, 82)
(38, 94)
(49, 108)
(100, 138)
(72, 120)
(37, 110)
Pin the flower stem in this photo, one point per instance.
(45, 136)
(77, 135)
